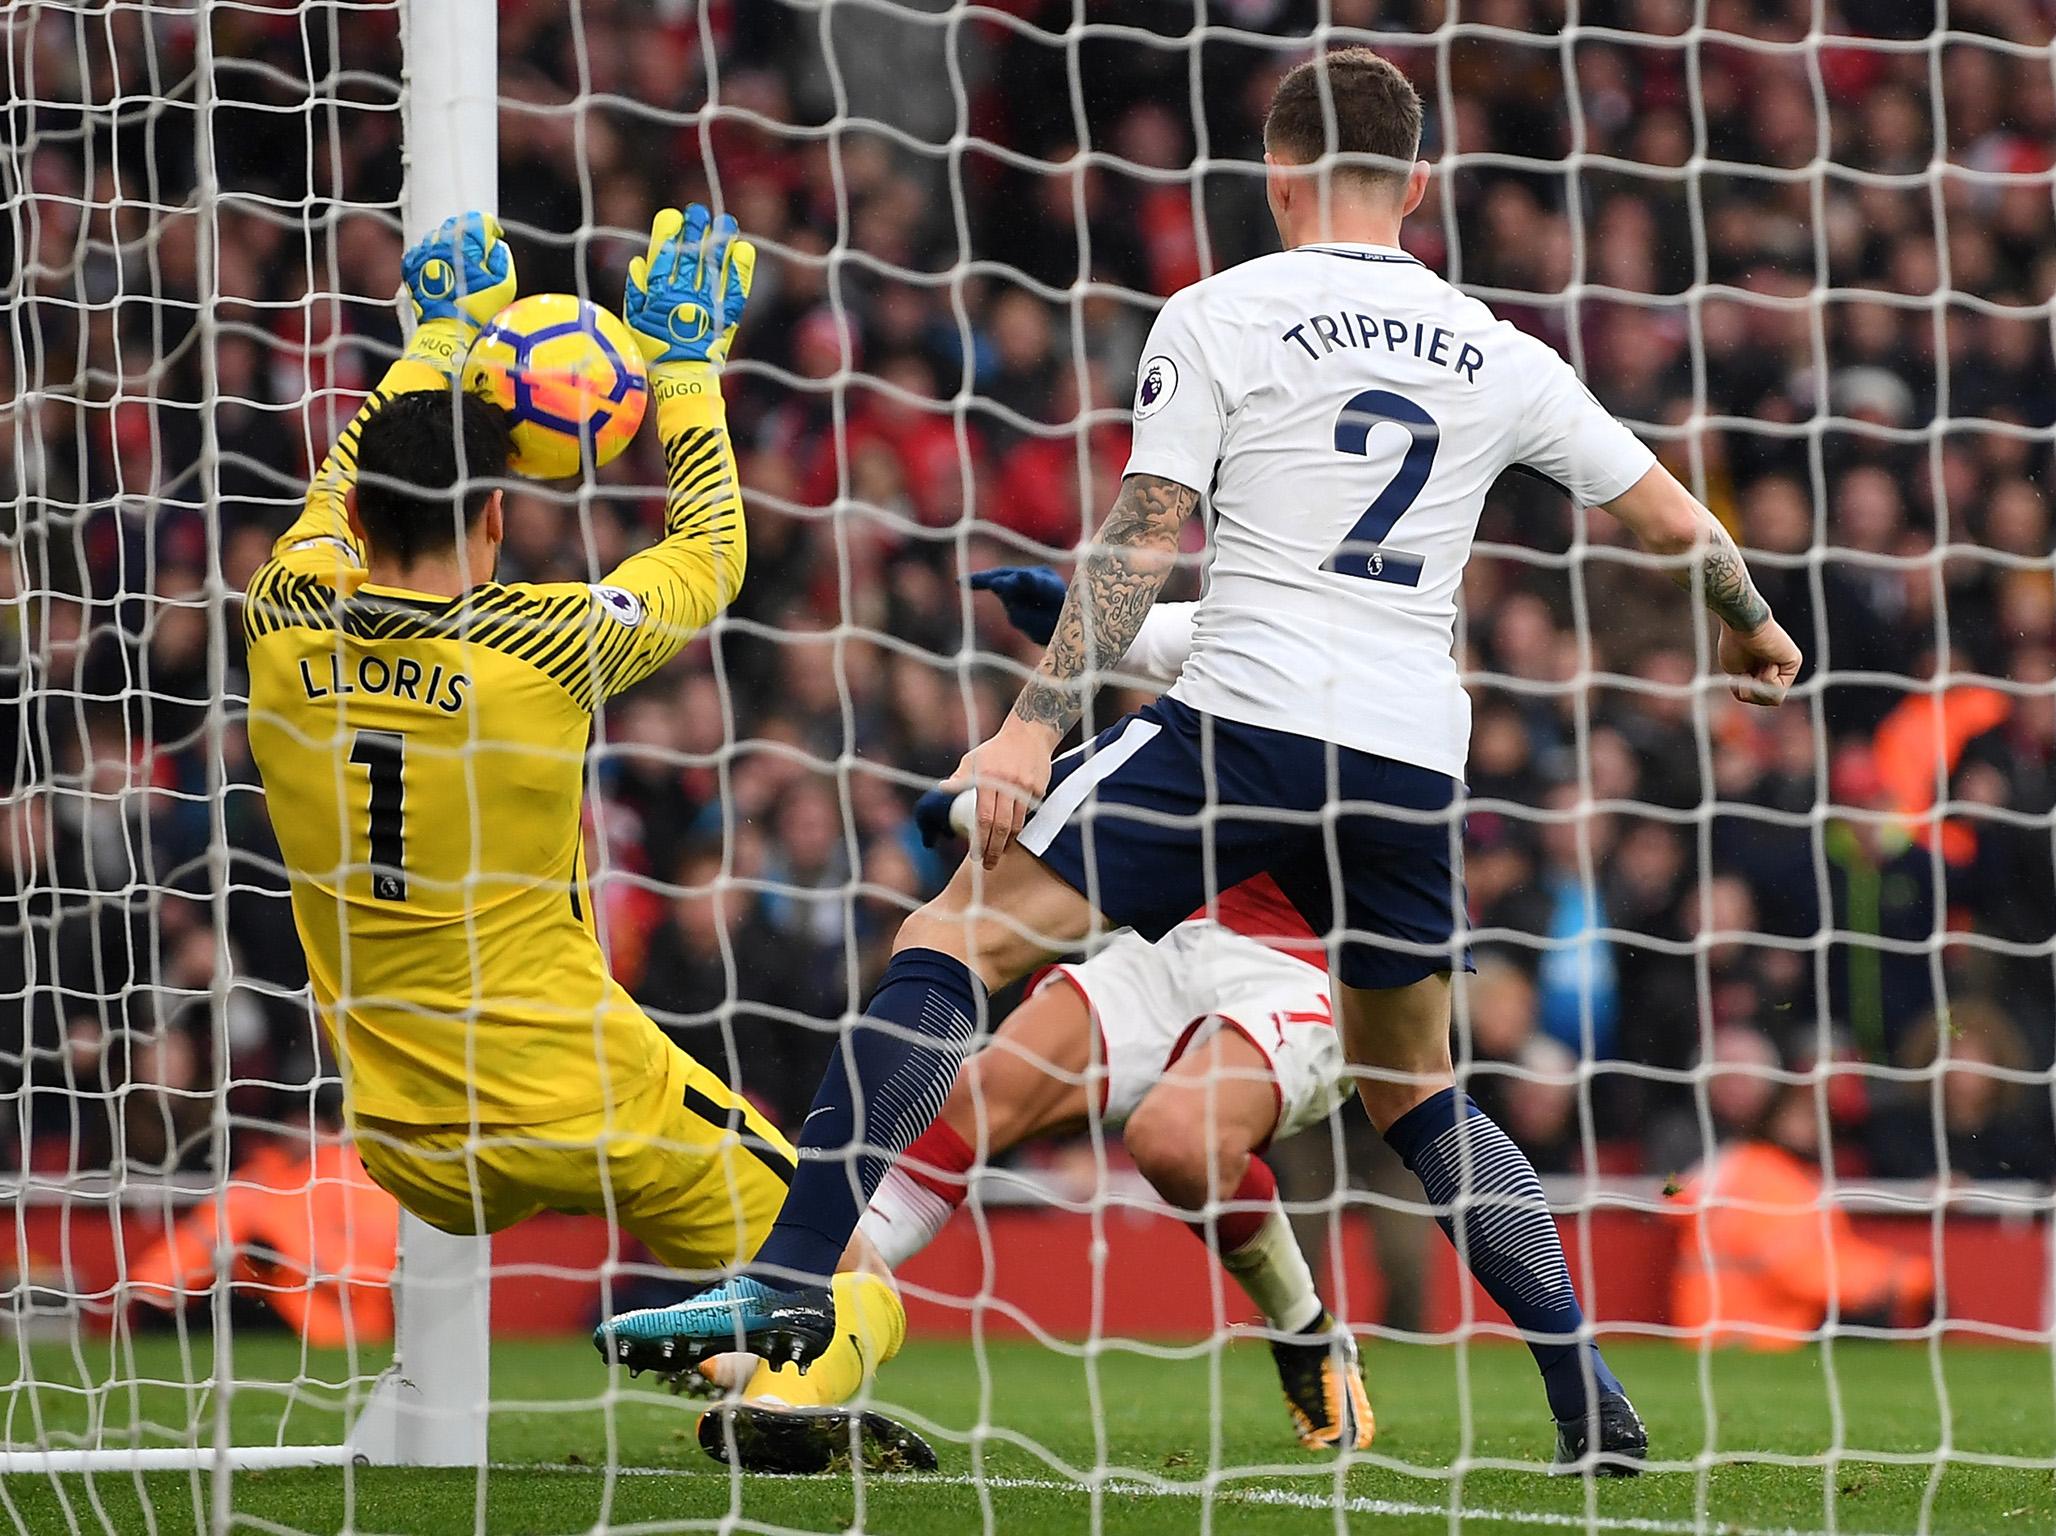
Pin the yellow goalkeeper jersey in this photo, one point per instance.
(423, 762)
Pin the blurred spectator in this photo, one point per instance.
(948, 315)
(1576, 976)
(1765, 1256)
(1880, 974)
(1542, 1105)
(1993, 1122)
(305, 1229)
(720, 978)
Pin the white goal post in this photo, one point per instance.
(421, 1416)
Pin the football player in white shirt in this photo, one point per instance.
(1343, 411)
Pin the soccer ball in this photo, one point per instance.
(571, 376)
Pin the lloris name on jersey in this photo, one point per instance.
(403, 677)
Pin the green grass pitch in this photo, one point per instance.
(1188, 1441)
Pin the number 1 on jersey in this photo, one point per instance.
(384, 755)
(1362, 553)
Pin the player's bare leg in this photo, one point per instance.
(1491, 1205)
(1195, 1137)
(1033, 1080)
(1001, 922)
(1195, 1133)
(885, 1086)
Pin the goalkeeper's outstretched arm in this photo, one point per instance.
(459, 277)
(684, 299)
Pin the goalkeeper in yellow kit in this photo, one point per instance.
(421, 732)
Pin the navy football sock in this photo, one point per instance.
(1492, 1209)
(884, 1087)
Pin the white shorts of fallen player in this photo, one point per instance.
(1155, 1003)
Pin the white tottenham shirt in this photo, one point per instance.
(1345, 411)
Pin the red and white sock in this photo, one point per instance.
(919, 1194)
(1259, 1250)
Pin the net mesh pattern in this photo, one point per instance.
(177, 309)
(1805, 254)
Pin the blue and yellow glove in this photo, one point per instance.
(459, 277)
(686, 295)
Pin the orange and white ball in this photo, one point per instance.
(571, 376)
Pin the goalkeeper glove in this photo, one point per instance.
(1033, 596)
(459, 276)
(686, 295)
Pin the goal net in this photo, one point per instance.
(1766, 997)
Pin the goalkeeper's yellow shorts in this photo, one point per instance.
(685, 1165)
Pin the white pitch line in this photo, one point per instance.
(1354, 1504)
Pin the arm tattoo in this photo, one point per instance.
(1725, 583)
(1116, 582)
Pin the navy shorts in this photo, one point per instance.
(1159, 813)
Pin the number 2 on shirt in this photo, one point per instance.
(1363, 553)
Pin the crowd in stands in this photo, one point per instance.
(1815, 277)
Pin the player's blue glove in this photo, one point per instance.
(1033, 596)
(462, 271)
(935, 813)
(686, 295)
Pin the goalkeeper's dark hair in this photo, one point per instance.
(1351, 102)
(414, 454)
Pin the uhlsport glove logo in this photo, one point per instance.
(438, 279)
(462, 270)
(690, 323)
(687, 292)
